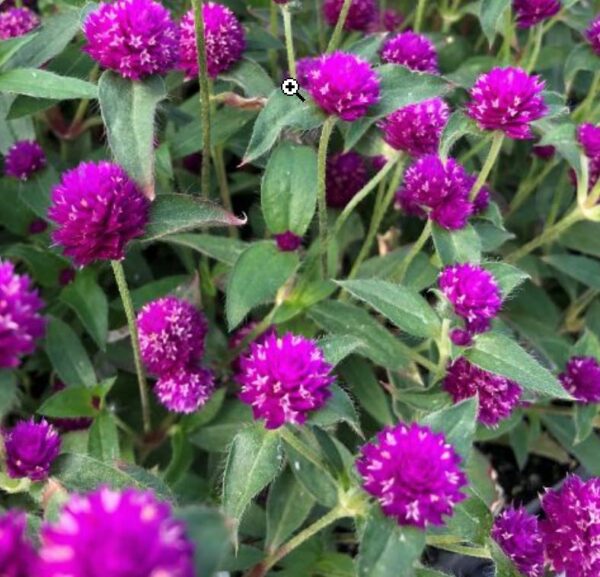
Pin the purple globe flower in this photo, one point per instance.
(592, 33)
(224, 38)
(12, 3)
(509, 100)
(413, 473)
(474, 294)
(30, 449)
(498, 396)
(284, 379)
(518, 534)
(342, 84)
(346, 174)
(288, 241)
(135, 38)
(438, 190)
(16, 553)
(571, 529)
(23, 159)
(482, 200)
(98, 209)
(185, 390)
(532, 12)
(387, 21)
(304, 69)
(589, 138)
(360, 15)
(116, 534)
(172, 333)
(20, 322)
(581, 379)
(411, 50)
(416, 129)
(17, 22)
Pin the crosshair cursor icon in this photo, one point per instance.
(290, 87)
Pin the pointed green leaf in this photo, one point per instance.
(103, 443)
(45, 84)
(457, 246)
(221, 248)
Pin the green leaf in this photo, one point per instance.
(504, 566)
(338, 408)
(337, 347)
(584, 421)
(89, 302)
(72, 402)
(472, 520)
(583, 236)
(459, 125)
(581, 268)
(8, 392)
(247, 288)
(406, 308)
(44, 84)
(507, 276)
(582, 57)
(387, 549)
(221, 248)
(499, 354)
(457, 246)
(10, 46)
(219, 432)
(69, 359)
(103, 443)
(251, 77)
(491, 13)
(172, 213)
(289, 189)
(563, 137)
(252, 463)
(35, 192)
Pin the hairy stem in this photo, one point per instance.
(224, 185)
(495, 148)
(336, 37)
(322, 197)
(419, 14)
(289, 39)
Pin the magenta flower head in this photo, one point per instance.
(17, 22)
(473, 293)
(172, 333)
(284, 379)
(519, 536)
(592, 33)
(346, 174)
(581, 379)
(438, 190)
(342, 84)
(416, 129)
(387, 21)
(589, 138)
(411, 50)
(288, 241)
(498, 396)
(23, 159)
(185, 390)
(360, 15)
(413, 473)
(115, 534)
(224, 37)
(482, 200)
(532, 12)
(135, 38)
(20, 321)
(571, 529)
(509, 100)
(98, 209)
(30, 449)
(16, 553)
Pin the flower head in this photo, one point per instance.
(581, 378)
(17, 22)
(341, 84)
(507, 99)
(518, 534)
(172, 333)
(98, 209)
(30, 449)
(416, 129)
(346, 174)
(135, 38)
(284, 379)
(592, 33)
(438, 190)
(589, 138)
(413, 473)
(498, 396)
(571, 529)
(24, 158)
(482, 200)
(360, 15)
(224, 38)
(185, 390)
(412, 50)
(16, 553)
(20, 322)
(387, 21)
(474, 294)
(116, 534)
(532, 12)
(288, 241)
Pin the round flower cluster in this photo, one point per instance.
(23, 159)
(387, 21)
(16, 553)
(284, 378)
(17, 22)
(288, 241)
(98, 209)
(346, 174)
(589, 138)
(498, 396)
(20, 322)
(581, 378)
(532, 12)
(411, 50)
(508, 100)
(413, 473)
(360, 14)
(224, 38)
(592, 34)
(135, 38)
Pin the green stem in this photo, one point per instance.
(529, 186)
(204, 96)
(336, 37)
(322, 196)
(224, 185)
(537, 45)
(508, 33)
(413, 252)
(135, 343)
(495, 148)
(289, 39)
(474, 150)
(582, 111)
(320, 26)
(479, 552)
(419, 14)
(288, 436)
